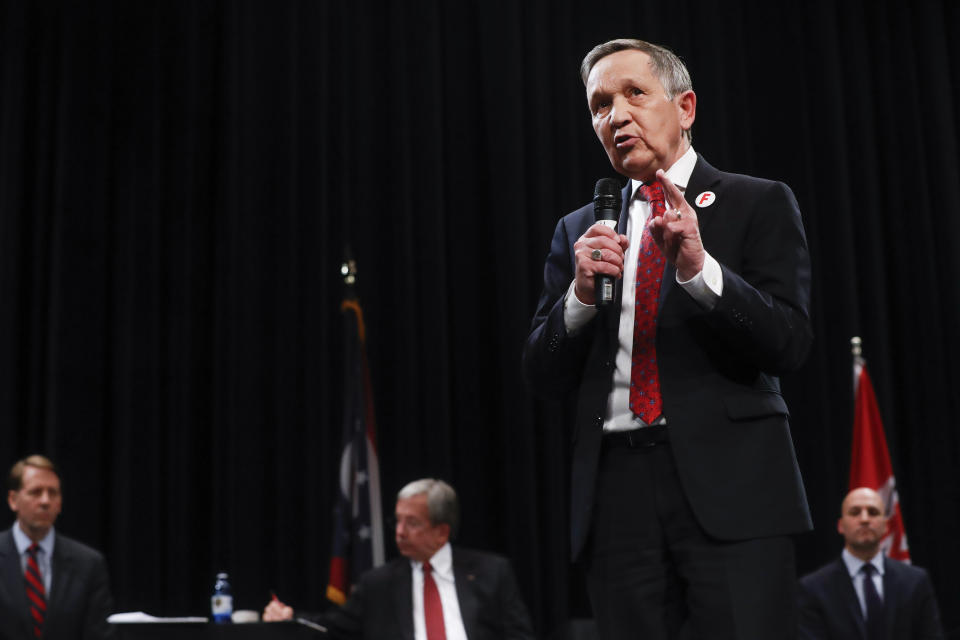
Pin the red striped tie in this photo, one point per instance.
(36, 594)
(432, 608)
(645, 400)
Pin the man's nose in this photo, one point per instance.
(619, 114)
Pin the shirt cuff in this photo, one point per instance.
(707, 286)
(575, 313)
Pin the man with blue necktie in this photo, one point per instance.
(865, 594)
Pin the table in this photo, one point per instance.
(210, 631)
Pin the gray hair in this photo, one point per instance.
(442, 504)
(668, 68)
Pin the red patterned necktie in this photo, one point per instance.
(36, 594)
(645, 400)
(432, 608)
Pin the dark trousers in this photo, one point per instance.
(653, 573)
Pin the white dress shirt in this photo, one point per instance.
(441, 565)
(44, 555)
(854, 566)
(706, 287)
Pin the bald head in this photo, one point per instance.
(861, 495)
(863, 522)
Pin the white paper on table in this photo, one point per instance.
(131, 617)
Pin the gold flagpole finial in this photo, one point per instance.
(856, 346)
(348, 269)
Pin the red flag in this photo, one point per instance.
(870, 460)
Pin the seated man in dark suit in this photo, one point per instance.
(50, 586)
(433, 592)
(865, 594)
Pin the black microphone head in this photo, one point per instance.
(606, 199)
(607, 187)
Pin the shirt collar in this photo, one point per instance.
(23, 541)
(679, 172)
(441, 562)
(855, 564)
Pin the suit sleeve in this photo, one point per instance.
(99, 603)
(926, 622)
(552, 358)
(516, 619)
(763, 313)
(812, 626)
(345, 622)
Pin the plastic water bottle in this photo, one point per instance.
(221, 603)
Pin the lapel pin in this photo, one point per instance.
(705, 199)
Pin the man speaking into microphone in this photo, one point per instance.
(685, 487)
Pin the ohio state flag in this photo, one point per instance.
(358, 537)
(870, 459)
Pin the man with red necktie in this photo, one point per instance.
(685, 485)
(434, 591)
(51, 587)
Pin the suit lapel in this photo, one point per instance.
(703, 178)
(613, 312)
(464, 577)
(403, 598)
(848, 596)
(12, 581)
(624, 209)
(891, 593)
(62, 567)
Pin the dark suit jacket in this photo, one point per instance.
(829, 609)
(79, 600)
(381, 606)
(718, 369)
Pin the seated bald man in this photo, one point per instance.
(434, 590)
(864, 594)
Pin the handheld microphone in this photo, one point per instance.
(606, 210)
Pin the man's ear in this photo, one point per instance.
(444, 531)
(686, 108)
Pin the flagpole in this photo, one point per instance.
(358, 537)
(870, 462)
(856, 350)
(348, 269)
(351, 300)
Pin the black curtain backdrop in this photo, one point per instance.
(178, 181)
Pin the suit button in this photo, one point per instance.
(553, 343)
(599, 421)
